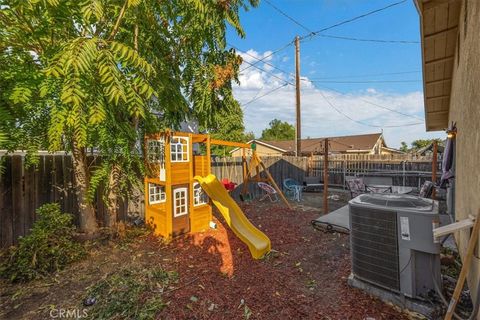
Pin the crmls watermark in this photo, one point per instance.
(73, 313)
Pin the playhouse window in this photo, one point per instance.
(156, 193)
(156, 151)
(179, 149)
(180, 204)
(199, 196)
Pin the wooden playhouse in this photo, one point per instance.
(175, 202)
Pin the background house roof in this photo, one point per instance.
(342, 144)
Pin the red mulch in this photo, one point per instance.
(304, 278)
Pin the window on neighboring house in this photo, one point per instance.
(156, 193)
(156, 151)
(179, 149)
(199, 196)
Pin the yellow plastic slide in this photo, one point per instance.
(258, 243)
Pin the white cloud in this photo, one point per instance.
(319, 118)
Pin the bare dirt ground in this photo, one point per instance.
(305, 276)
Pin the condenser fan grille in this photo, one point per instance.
(395, 201)
(375, 246)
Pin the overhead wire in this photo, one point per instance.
(263, 95)
(269, 55)
(364, 81)
(368, 40)
(361, 122)
(366, 75)
(377, 105)
(268, 72)
(288, 16)
(315, 33)
(253, 64)
(312, 34)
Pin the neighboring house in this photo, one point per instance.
(358, 144)
(451, 76)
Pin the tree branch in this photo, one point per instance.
(119, 20)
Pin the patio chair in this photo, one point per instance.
(378, 189)
(270, 192)
(355, 186)
(293, 189)
(427, 189)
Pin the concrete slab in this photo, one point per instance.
(338, 220)
(428, 309)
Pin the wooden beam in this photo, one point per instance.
(272, 181)
(453, 227)
(230, 143)
(467, 260)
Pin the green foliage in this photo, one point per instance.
(102, 74)
(249, 136)
(278, 131)
(417, 144)
(403, 146)
(48, 248)
(228, 125)
(421, 143)
(131, 294)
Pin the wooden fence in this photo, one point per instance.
(23, 189)
(411, 173)
(280, 168)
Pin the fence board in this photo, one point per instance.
(17, 198)
(6, 209)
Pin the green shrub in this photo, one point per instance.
(48, 248)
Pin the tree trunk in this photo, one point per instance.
(87, 218)
(113, 197)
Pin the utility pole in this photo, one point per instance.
(298, 131)
(325, 177)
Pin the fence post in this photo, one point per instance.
(403, 171)
(344, 169)
(325, 177)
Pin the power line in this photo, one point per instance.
(379, 105)
(363, 81)
(315, 33)
(366, 75)
(263, 95)
(269, 55)
(363, 123)
(287, 16)
(268, 72)
(253, 64)
(369, 40)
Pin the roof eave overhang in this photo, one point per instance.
(439, 29)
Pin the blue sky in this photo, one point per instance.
(332, 61)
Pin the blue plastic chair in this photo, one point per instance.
(293, 189)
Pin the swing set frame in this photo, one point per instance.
(251, 171)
